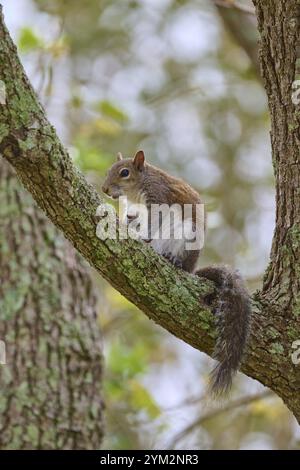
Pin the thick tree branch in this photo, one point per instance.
(170, 297)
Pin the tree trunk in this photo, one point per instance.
(51, 383)
(172, 298)
(279, 27)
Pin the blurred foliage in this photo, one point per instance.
(166, 76)
(29, 41)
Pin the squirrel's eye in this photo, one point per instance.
(124, 173)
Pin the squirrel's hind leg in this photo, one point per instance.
(190, 260)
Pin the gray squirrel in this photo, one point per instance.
(145, 184)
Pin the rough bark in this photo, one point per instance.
(172, 298)
(51, 383)
(279, 27)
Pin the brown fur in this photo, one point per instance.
(150, 185)
(157, 186)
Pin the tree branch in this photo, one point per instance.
(172, 298)
(235, 4)
(232, 405)
(243, 30)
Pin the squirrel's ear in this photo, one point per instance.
(119, 156)
(139, 160)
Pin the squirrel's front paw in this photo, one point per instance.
(173, 259)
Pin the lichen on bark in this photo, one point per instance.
(175, 300)
(51, 394)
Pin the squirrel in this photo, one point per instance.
(148, 185)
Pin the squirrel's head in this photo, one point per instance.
(125, 176)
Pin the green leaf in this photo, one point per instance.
(28, 40)
(127, 362)
(89, 158)
(111, 110)
(140, 398)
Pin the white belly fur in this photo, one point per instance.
(174, 246)
(161, 242)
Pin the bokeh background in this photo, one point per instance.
(180, 80)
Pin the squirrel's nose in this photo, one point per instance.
(105, 189)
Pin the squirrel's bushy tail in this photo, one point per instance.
(232, 314)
